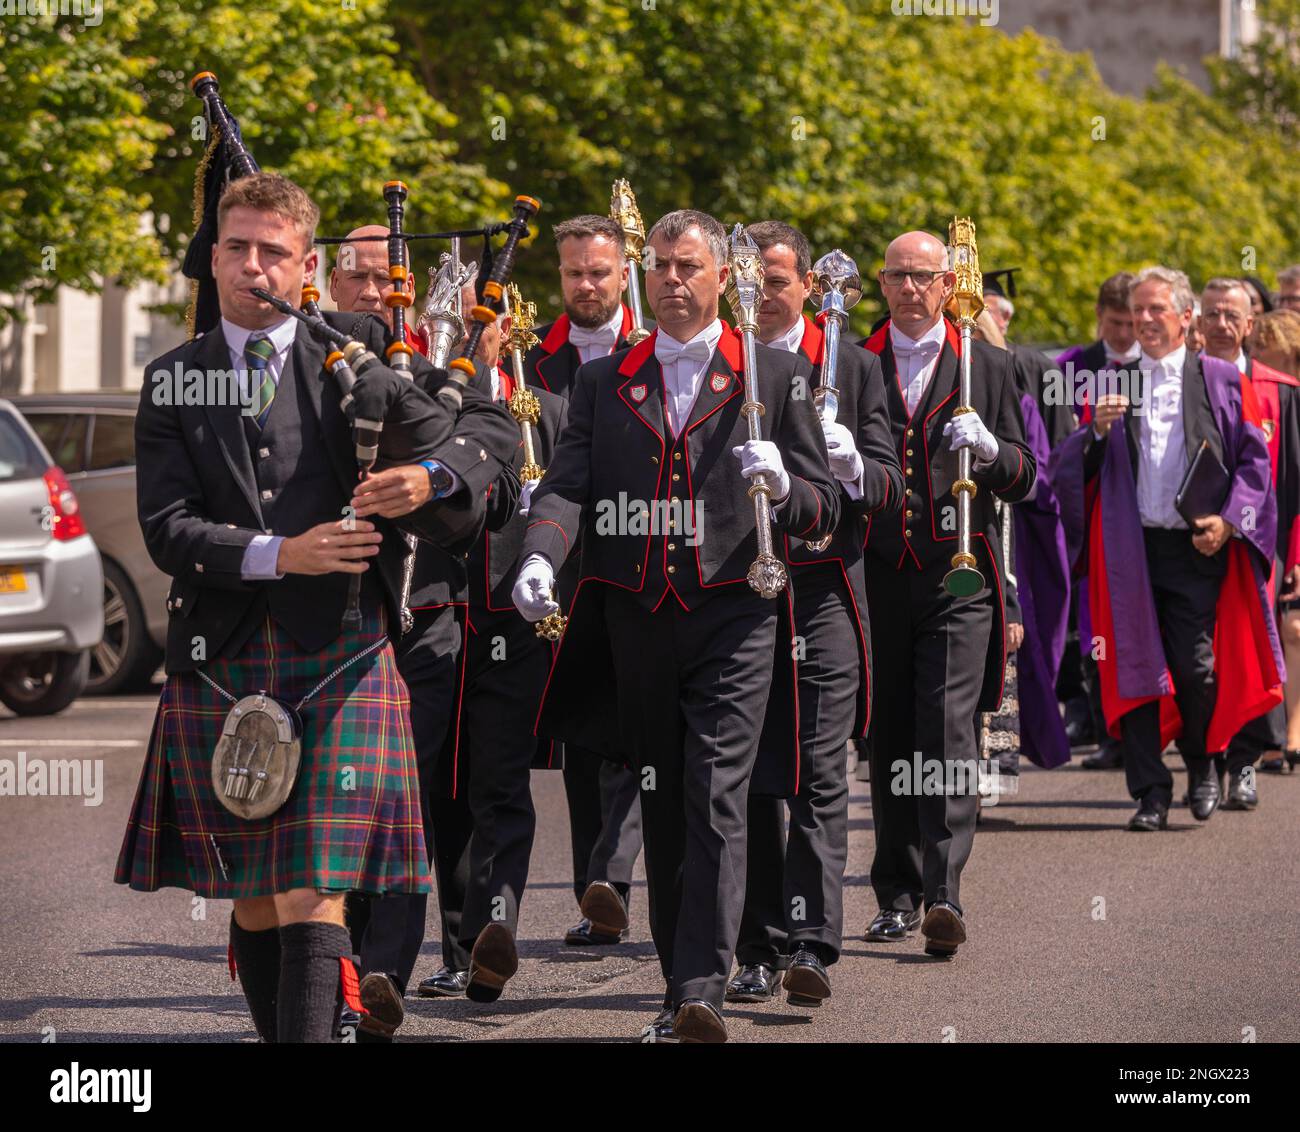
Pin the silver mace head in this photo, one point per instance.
(745, 278)
(836, 274)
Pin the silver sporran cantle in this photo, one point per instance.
(255, 765)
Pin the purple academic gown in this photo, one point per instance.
(1137, 660)
(1042, 570)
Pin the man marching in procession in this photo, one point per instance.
(251, 513)
(938, 656)
(604, 808)
(1166, 495)
(793, 915)
(669, 653)
(482, 818)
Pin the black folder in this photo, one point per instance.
(1205, 487)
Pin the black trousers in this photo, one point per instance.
(692, 693)
(928, 655)
(604, 820)
(1265, 732)
(794, 886)
(1185, 585)
(483, 838)
(388, 931)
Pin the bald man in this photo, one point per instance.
(359, 281)
(388, 932)
(938, 659)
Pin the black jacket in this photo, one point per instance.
(199, 503)
(554, 361)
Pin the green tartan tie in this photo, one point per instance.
(257, 353)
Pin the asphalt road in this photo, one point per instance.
(1079, 931)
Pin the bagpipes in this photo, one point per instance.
(393, 420)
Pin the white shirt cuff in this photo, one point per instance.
(260, 559)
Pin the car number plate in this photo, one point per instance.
(13, 580)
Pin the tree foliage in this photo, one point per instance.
(848, 121)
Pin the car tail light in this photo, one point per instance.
(65, 512)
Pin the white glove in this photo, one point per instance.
(968, 431)
(846, 460)
(526, 496)
(762, 457)
(532, 592)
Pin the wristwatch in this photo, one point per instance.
(440, 480)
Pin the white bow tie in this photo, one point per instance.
(921, 348)
(583, 338)
(669, 350)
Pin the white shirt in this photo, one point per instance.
(1241, 363)
(281, 335)
(1117, 358)
(1162, 453)
(791, 340)
(599, 342)
(915, 360)
(684, 365)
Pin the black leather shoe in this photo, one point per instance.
(1110, 756)
(443, 983)
(661, 1029)
(890, 926)
(806, 981)
(492, 963)
(1242, 794)
(698, 1021)
(1204, 797)
(383, 1003)
(1149, 817)
(754, 982)
(944, 929)
(604, 907)
(582, 934)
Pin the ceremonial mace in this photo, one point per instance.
(623, 209)
(964, 579)
(837, 284)
(766, 575)
(527, 410)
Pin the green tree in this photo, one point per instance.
(855, 125)
(100, 135)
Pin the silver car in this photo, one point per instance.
(51, 612)
(92, 438)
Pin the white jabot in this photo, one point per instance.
(791, 340)
(683, 365)
(1162, 454)
(915, 359)
(281, 335)
(598, 342)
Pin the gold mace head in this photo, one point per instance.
(623, 209)
(964, 260)
(523, 317)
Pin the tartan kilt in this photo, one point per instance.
(352, 821)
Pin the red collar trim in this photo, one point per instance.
(558, 335)
(729, 344)
(1258, 371)
(813, 341)
(877, 342)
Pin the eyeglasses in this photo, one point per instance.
(896, 277)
